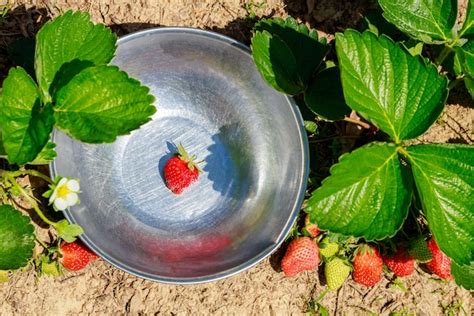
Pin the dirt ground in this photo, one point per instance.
(102, 289)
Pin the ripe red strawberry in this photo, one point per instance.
(75, 255)
(311, 228)
(368, 266)
(401, 263)
(302, 254)
(180, 171)
(440, 264)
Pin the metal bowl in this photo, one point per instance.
(210, 98)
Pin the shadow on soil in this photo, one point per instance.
(329, 16)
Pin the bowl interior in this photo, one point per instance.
(210, 98)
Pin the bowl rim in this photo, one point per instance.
(303, 140)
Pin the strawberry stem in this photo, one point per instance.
(30, 200)
(183, 154)
(190, 160)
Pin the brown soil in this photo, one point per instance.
(102, 289)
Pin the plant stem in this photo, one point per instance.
(453, 84)
(403, 151)
(322, 295)
(357, 122)
(442, 56)
(30, 172)
(3, 195)
(41, 243)
(30, 200)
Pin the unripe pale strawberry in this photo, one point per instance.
(336, 272)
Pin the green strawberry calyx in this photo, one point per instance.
(418, 249)
(328, 248)
(190, 160)
(364, 249)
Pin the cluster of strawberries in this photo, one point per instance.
(305, 253)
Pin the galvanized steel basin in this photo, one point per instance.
(210, 98)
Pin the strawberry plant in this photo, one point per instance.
(433, 23)
(290, 58)
(401, 94)
(75, 90)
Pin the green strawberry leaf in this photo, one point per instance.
(468, 26)
(452, 64)
(48, 267)
(325, 97)
(369, 201)
(469, 83)
(16, 238)
(68, 37)
(463, 274)
(466, 57)
(26, 126)
(304, 44)
(413, 47)
(101, 103)
(419, 250)
(3, 153)
(66, 73)
(310, 126)
(375, 22)
(68, 232)
(276, 63)
(444, 178)
(425, 20)
(46, 155)
(397, 92)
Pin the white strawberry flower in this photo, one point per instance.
(65, 194)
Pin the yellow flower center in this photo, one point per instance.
(63, 191)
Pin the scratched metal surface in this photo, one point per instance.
(211, 99)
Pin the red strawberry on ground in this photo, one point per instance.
(180, 171)
(368, 266)
(440, 264)
(75, 255)
(311, 228)
(401, 263)
(302, 254)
